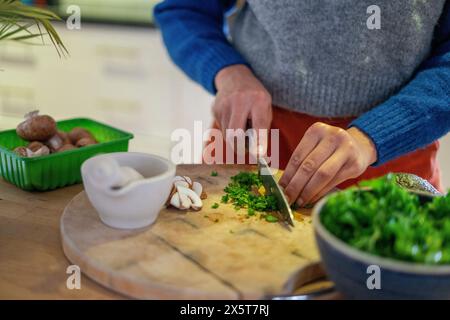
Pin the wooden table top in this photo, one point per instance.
(32, 263)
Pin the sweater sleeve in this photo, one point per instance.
(192, 31)
(419, 113)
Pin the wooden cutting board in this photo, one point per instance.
(210, 254)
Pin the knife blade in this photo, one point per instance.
(272, 187)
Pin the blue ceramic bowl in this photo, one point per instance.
(351, 270)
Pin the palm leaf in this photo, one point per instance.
(18, 22)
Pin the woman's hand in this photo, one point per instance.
(241, 97)
(324, 158)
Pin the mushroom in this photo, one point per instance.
(66, 147)
(196, 202)
(34, 149)
(184, 179)
(36, 127)
(43, 151)
(188, 180)
(186, 194)
(64, 137)
(198, 188)
(83, 142)
(175, 200)
(78, 133)
(185, 202)
(35, 146)
(181, 183)
(21, 151)
(55, 142)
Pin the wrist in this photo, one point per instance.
(365, 143)
(229, 74)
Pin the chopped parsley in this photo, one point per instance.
(271, 218)
(214, 173)
(215, 205)
(225, 198)
(243, 192)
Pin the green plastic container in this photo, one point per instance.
(58, 169)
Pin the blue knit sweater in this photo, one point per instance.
(414, 117)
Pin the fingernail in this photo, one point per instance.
(299, 202)
(287, 199)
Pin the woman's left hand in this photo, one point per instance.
(324, 158)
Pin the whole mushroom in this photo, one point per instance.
(21, 151)
(36, 127)
(35, 146)
(66, 147)
(76, 134)
(64, 137)
(54, 143)
(42, 151)
(83, 142)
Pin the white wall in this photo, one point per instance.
(118, 75)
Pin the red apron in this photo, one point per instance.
(293, 125)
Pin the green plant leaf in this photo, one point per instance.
(17, 18)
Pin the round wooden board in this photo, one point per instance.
(210, 254)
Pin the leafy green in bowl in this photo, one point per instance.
(382, 218)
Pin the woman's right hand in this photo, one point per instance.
(241, 97)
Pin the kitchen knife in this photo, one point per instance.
(272, 187)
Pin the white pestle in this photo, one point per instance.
(108, 174)
(129, 175)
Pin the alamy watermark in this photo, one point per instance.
(210, 146)
(73, 21)
(74, 279)
(374, 20)
(374, 280)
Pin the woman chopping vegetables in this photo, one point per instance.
(352, 101)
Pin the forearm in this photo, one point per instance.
(416, 116)
(192, 31)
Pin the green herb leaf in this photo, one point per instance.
(225, 198)
(271, 218)
(215, 205)
(391, 222)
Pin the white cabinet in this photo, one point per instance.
(119, 75)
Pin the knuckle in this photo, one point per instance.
(237, 96)
(341, 134)
(323, 174)
(217, 112)
(308, 166)
(261, 95)
(291, 191)
(351, 146)
(307, 194)
(360, 166)
(295, 160)
(337, 136)
(357, 167)
(317, 127)
(333, 139)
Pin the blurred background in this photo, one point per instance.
(118, 72)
